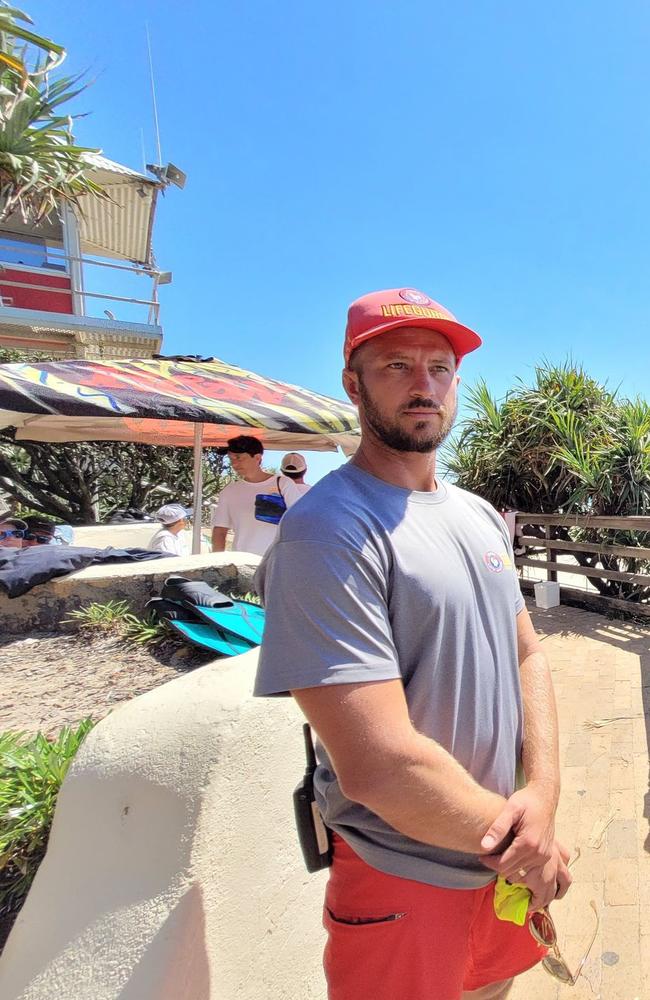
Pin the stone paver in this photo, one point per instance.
(601, 672)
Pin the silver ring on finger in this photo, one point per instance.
(521, 873)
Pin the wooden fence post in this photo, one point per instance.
(551, 574)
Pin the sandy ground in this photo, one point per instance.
(49, 680)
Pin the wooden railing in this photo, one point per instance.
(551, 547)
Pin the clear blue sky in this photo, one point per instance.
(494, 154)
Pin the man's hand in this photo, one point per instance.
(551, 881)
(530, 815)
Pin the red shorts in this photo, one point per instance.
(391, 938)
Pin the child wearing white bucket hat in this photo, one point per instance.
(170, 537)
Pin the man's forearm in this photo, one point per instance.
(540, 755)
(427, 795)
(219, 539)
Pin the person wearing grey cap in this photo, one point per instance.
(170, 536)
(294, 467)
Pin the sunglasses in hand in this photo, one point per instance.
(542, 928)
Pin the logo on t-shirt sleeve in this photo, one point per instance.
(496, 562)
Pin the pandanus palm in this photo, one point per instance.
(13, 31)
(40, 165)
(566, 444)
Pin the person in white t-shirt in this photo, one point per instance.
(294, 467)
(236, 506)
(171, 537)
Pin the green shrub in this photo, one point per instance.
(252, 598)
(32, 769)
(116, 616)
(100, 617)
(143, 631)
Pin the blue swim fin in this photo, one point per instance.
(207, 637)
(244, 620)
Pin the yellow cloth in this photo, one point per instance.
(511, 901)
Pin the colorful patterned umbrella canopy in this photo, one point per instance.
(159, 401)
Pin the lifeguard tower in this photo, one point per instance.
(85, 284)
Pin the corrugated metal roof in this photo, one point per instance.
(100, 162)
(119, 226)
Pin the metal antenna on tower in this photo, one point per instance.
(153, 98)
(144, 155)
(169, 174)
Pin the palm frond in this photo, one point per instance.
(40, 163)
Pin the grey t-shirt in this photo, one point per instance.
(368, 581)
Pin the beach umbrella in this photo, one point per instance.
(170, 401)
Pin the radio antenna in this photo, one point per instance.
(144, 155)
(153, 98)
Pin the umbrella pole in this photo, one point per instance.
(198, 488)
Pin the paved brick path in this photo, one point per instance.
(601, 670)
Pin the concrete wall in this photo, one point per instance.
(173, 871)
(126, 536)
(49, 604)
(117, 535)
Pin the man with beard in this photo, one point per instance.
(395, 619)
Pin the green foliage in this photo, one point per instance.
(565, 444)
(31, 772)
(252, 598)
(145, 631)
(13, 30)
(117, 617)
(82, 482)
(100, 617)
(513, 452)
(40, 164)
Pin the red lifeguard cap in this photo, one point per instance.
(379, 312)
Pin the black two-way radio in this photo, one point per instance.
(315, 838)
